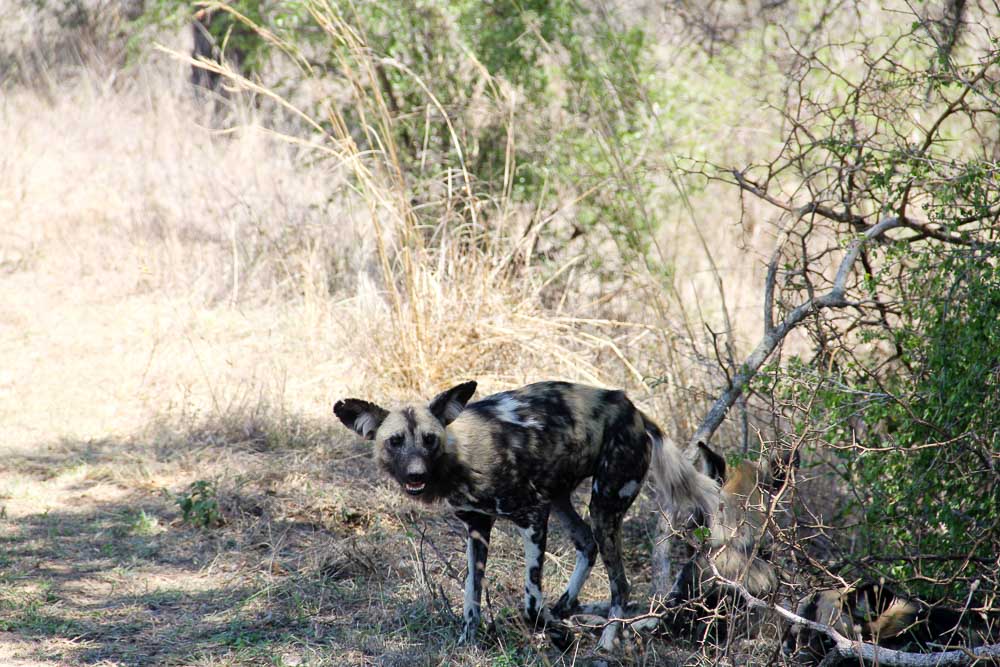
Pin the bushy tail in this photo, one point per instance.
(683, 491)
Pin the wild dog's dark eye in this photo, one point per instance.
(430, 440)
(395, 441)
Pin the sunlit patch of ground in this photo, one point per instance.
(180, 307)
(317, 561)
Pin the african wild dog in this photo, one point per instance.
(738, 544)
(519, 455)
(874, 613)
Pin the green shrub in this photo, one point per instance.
(199, 505)
(523, 102)
(937, 491)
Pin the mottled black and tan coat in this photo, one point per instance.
(519, 455)
(876, 614)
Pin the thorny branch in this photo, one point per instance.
(849, 648)
(775, 334)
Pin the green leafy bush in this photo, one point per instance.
(530, 103)
(936, 490)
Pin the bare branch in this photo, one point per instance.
(924, 229)
(772, 338)
(799, 211)
(849, 648)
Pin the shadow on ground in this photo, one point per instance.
(309, 563)
(293, 551)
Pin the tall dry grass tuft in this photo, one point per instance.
(447, 298)
(233, 262)
(460, 319)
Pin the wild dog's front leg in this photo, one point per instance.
(534, 534)
(478, 527)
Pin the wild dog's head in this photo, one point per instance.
(410, 441)
(874, 612)
(766, 474)
(870, 612)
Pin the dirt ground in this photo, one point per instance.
(114, 404)
(173, 333)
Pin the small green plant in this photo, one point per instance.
(200, 505)
(144, 524)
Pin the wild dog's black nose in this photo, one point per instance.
(416, 470)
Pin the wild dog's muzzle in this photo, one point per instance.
(415, 478)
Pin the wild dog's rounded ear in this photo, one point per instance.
(449, 404)
(711, 464)
(362, 417)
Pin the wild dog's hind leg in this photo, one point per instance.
(620, 472)
(608, 530)
(479, 527)
(586, 554)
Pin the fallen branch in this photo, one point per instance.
(846, 648)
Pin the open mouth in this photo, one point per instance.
(415, 489)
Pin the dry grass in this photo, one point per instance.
(134, 363)
(179, 303)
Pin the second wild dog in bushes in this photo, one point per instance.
(519, 455)
(738, 543)
(874, 613)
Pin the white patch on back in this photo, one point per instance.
(506, 409)
(629, 489)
